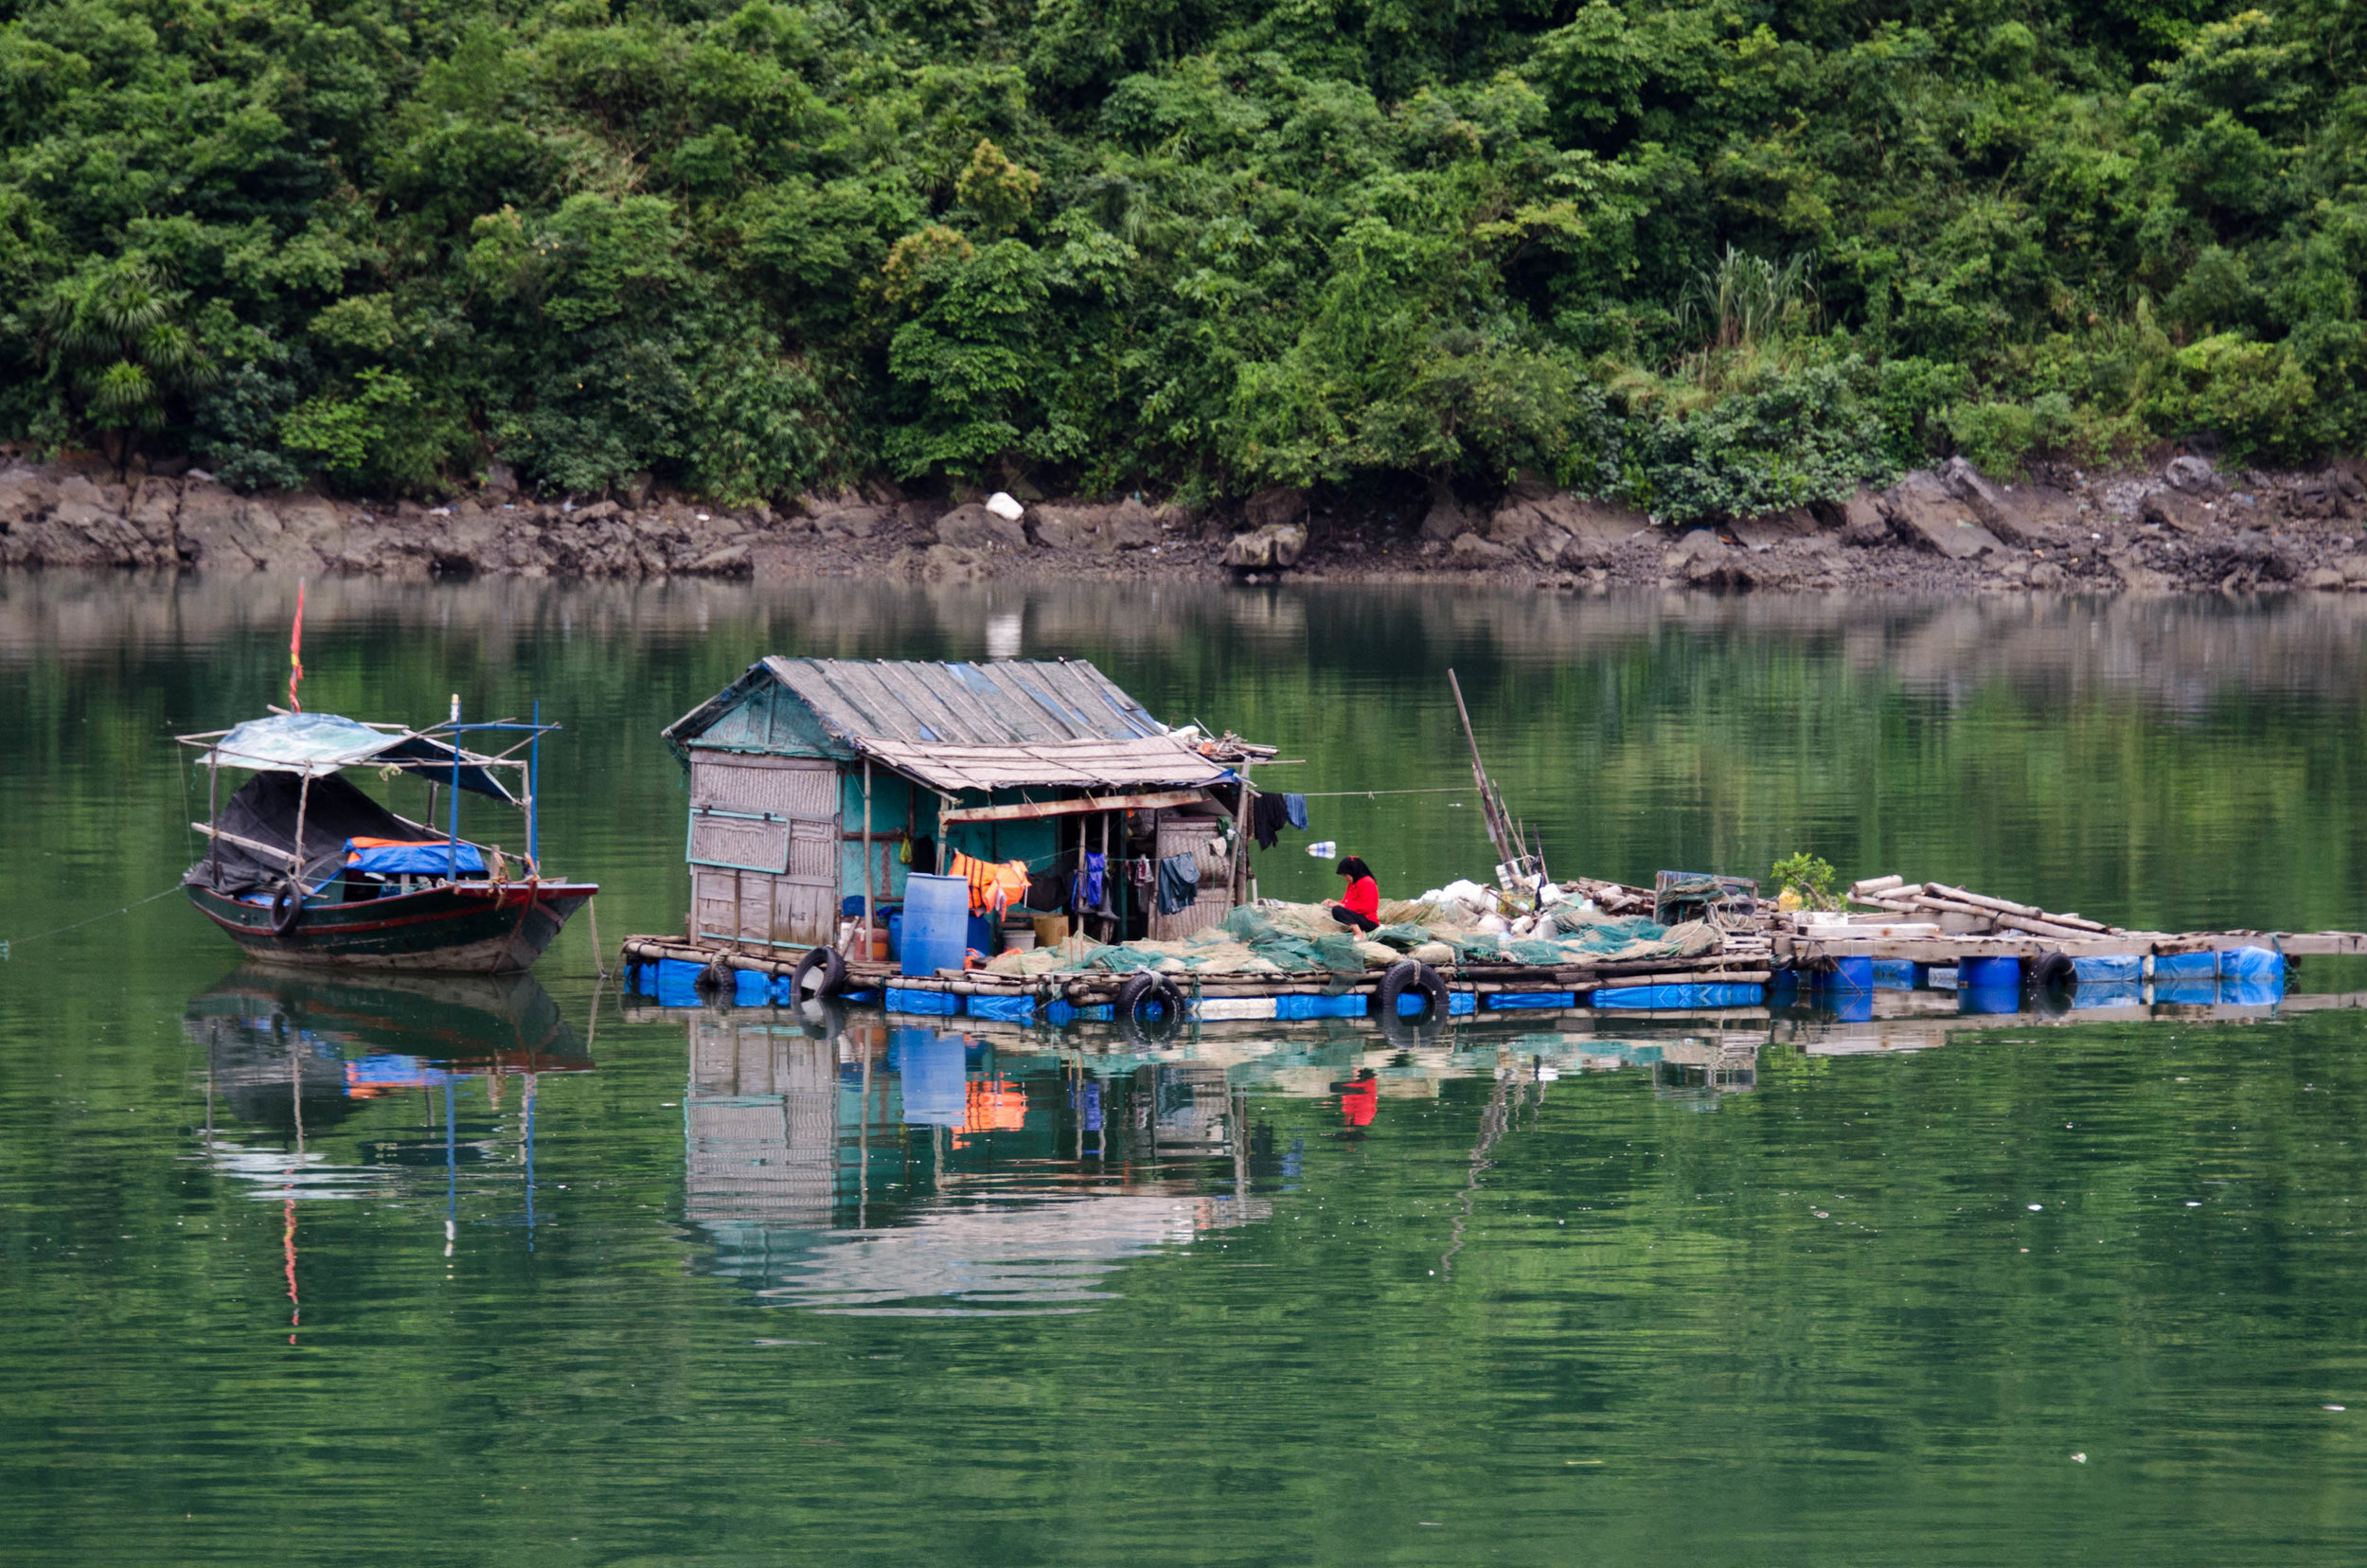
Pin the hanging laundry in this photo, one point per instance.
(1139, 872)
(992, 887)
(1090, 872)
(1179, 882)
(1296, 806)
(1268, 818)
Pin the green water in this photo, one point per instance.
(304, 1272)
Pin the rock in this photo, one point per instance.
(2320, 495)
(1703, 560)
(24, 495)
(956, 564)
(1004, 507)
(1277, 506)
(1597, 525)
(849, 519)
(636, 492)
(1447, 518)
(1764, 533)
(973, 527)
(2047, 573)
(2353, 568)
(2136, 576)
(1125, 525)
(1275, 546)
(2324, 578)
(2193, 475)
(1545, 547)
(2180, 511)
(1862, 523)
(1923, 512)
(592, 513)
(1472, 550)
(500, 478)
(731, 561)
(153, 505)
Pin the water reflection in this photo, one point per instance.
(310, 1083)
(855, 1165)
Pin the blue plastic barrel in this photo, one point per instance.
(936, 927)
(1848, 975)
(2250, 963)
(1988, 974)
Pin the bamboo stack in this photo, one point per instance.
(1901, 897)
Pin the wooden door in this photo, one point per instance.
(763, 839)
(1193, 836)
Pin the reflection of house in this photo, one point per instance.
(761, 1124)
(1030, 1252)
(1186, 1106)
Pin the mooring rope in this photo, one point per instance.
(5, 945)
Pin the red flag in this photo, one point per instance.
(296, 652)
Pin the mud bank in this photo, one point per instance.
(2186, 527)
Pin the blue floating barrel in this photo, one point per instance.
(1895, 974)
(1850, 1006)
(1988, 974)
(935, 928)
(2109, 969)
(2186, 966)
(749, 988)
(2250, 963)
(1848, 975)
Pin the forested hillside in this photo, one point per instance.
(1707, 258)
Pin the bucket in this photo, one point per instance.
(1019, 939)
(935, 928)
(1051, 930)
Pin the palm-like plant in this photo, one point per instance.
(118, 350)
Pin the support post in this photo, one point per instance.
(296, 855)
(451, 839)
(534, 785)
(867, 860)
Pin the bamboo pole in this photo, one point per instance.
(1490, 807)
(866, 857)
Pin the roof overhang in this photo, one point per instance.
(318, 744)
(1065, 764)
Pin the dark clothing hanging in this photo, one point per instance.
(1268, 816)
(1090, 876)
(1179, 882)
(922, 855)
(1295, 806)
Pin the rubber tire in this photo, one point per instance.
(833, 969)
(1412, 974)
(715, 980)
(2055, 972)
(286, 909)
(1144, 987)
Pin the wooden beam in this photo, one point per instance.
(1031, 810)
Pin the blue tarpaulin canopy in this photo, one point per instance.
(428, 858)
(318, 744)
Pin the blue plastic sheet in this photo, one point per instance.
(2109, 969)
(1659, 998)
(677, 983)
(1004, 1009)
(433, 859)
(1289, 1008)
(1462, 1004)
(2186, 966)
(749, 988)
(2249, 963)
(942, 1003)
(1514, 1001)
(2108, 993)
(2190, 993)
(2252, 991)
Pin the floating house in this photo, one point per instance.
(817, 786)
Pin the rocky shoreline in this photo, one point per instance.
(2184, 527)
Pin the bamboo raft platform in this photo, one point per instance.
(1771, 950)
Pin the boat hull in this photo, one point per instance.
(468, 928)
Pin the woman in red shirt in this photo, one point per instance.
(1360, 908)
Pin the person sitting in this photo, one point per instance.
(1360, 907)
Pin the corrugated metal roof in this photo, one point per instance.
(1008, 702)
(978, 726)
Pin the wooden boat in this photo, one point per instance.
(302, 867)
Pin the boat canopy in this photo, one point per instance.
(318, 744)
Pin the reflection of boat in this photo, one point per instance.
(462, 1024)
(302, 868)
